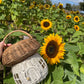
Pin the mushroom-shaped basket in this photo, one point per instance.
(20, 50)
(30, 71)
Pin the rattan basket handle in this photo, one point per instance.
(17, 31)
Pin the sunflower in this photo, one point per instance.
(76, 27)
(67, 13)
(46, 24)
(68, 17)
(34, 2)
(77, 12)
(76, 19)
(53, 6)
(46, 6)
(83, 23)
(41, 6)
(37, 5)
(80, 15)
(22, 1)
(63, 11)
(71, 12)
(12, 25)
(31, 6)
(0, 1)
(60, 6)
(53, 49)
(74, 12)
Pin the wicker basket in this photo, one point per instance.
(20, 50)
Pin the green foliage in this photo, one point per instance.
(82, 5)
(57, 75)
(77, 33)
(71, 82)
(69, 47)
(28, 16)
(81, 48)
(9, 79)
(68, 6)
(57, 81)
(82, 68)
(72, 59)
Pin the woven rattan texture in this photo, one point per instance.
(19, 51)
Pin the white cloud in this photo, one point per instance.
(76, 1)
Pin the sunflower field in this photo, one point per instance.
(60, 33)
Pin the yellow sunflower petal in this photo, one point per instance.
(76, 19)
(76, 27)
(0, 1)
(53, 49)
(46, 24)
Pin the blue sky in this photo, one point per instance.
(67, 1)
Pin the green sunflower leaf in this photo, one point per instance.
(81, 48)
(70, 30)
(69, 74)
(74, 40)
(48, 81)
(82, 68)
(72, 59)
(57, 82)
(17, 34)
(58, 73)
(1, 31)
(2, 17)
(81, 79)
(77, 33)
(9, 79)
(71, 82)
(13, 17)
(69, 47)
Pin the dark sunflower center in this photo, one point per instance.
(46, 6)
(46, 24)
(76, 18)
(35, 4)
(52, 49)
(41, 7)
(77, 12)
(68, 17)
(60, 6)
(76, 27)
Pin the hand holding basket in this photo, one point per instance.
(20, 50)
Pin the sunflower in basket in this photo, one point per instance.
(53, 49)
